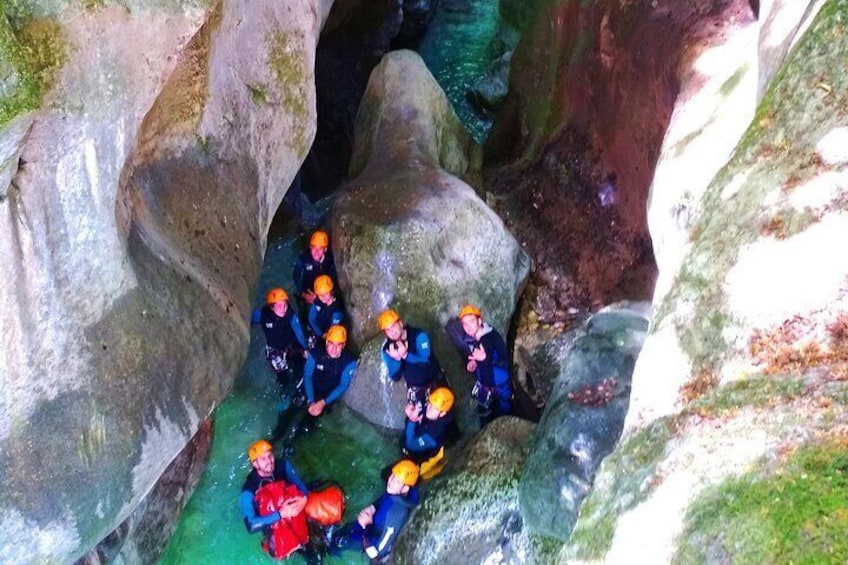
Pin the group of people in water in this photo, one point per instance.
(317, 369)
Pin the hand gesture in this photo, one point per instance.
(366, 516)
(316, 408)
(471, 366)
(478, 354)
(402, 349)
(412, 413)
(292, 506)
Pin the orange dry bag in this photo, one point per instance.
(326, 506)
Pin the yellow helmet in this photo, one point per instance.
(406, 471)
(336, 334)
(320, 239)
(387, 318)
(470, 309)
(257, 449)
(442, 399)
(323, 285)
(276, 295)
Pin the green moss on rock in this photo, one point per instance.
(794, 514)
(286, 59)
(758, 392)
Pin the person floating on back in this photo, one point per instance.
(325, 310)
(312, 263)
(285, 342)
(377, 526)
(425, 434)
(488, 361)
(328, 371)
(407, 353)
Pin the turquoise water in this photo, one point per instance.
(343, 448)
(458, 48)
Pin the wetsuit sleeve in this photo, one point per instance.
(382, 546)
(418, 443)
(308, 368)
(253, 522)
(392, 366)
(313, 320)
(422, 344)
(294, 478)
(337, 317)
(298, 330)
(344, 382)
(297, 274)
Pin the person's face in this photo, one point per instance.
(280, 308)
(317, 252)
(432, 412)
(394, 331)
(334, 349)
(326, 298)
(396, 486)
(264, 464)
(471, 324)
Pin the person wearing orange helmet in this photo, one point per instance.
(312, 263)
(377, 526)
(285, 341)
(325, 310)
(426, 433)
(407, 353)
(265, 470)
(489, 362)
(328, 371)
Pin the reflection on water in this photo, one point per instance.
(342, 447)
(458, 49)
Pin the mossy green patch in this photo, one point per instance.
(635, 462)
(31, 52)
(257, 93)
(796, 514)
(286, 53)
(756, 392)
(733, 81)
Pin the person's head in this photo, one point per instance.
(318, 244)
(404, 476)
(323, 288)
(261, 457)
(336, 338)
(471, 318)
(439, 403)
(278, 298)
(391, 324)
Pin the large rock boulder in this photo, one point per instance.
(141, 164)
(470, 514)
(583, 417)
(410, 234)
(739, 396)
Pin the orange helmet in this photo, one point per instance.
(258, 449)
(387, 318)
(406, 471)
(468, 310)
(323, 285)
(276, 295)
(442, 398)
(336, 334)
(320, 239)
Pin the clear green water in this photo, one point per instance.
(343, 448)
(458, 48)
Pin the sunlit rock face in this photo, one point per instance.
(583, 417)
(135, 205)
(410, 234)
(471, 512)
(739, 395)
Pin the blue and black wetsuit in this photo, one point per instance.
(326, 378)
(493, 376)
(420, 369)
(377, 539)
(424, 439)
(284, 339)
(283, 471)
(323, 316)
(307, 269)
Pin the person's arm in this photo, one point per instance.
(294, 478)
(313, 321)
(423, 347)
(344, 382)
(253, 522)
(308, 368)
(418, 443)
(392, 366)
(337, 317)
(379, 548)
(298, 330)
